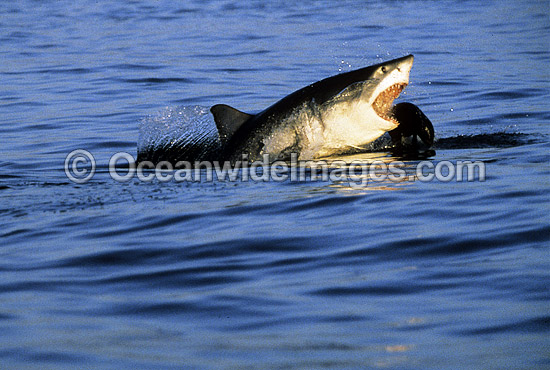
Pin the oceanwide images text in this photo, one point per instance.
(80, 167)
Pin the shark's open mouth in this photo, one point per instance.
(383, 102)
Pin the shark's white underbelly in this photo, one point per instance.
(325, 131)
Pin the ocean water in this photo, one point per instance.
(271, 275)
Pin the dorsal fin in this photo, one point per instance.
(228, 120)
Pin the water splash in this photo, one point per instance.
(178, 133)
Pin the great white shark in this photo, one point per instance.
(337, 115)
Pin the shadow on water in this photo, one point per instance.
(492, 140)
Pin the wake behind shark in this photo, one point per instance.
(338, 115)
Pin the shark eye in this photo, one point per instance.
(383, 69)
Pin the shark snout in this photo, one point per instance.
(405, 63)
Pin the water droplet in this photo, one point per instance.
(452, 109)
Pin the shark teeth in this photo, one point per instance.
(384, 100)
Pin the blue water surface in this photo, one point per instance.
(271, 275)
